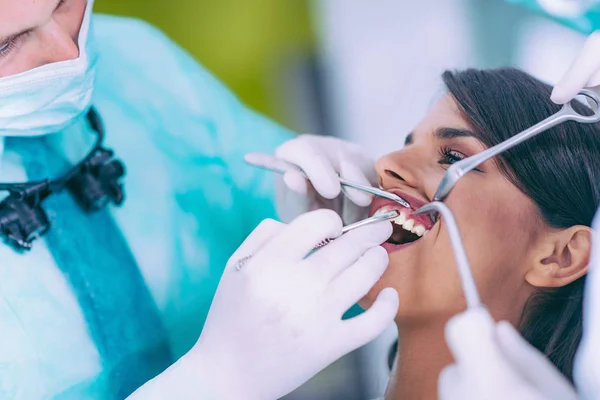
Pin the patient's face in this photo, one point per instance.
(498, 225)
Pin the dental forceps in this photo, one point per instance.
(566, 113)
(239, 264)
(280, 166)
(462, 262)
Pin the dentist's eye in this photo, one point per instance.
(8, 47)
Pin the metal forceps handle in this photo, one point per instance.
(280, 166)
(462, 262)
(566, 113)
(239, 264)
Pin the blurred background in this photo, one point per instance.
(366, 71)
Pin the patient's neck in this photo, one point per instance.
(422, 354)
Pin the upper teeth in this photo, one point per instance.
(408, 224)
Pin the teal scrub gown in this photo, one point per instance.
(586, 23)
(106, 301)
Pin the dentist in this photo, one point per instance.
(97, 299)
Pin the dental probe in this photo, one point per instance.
(280, 166)
(462, 262)
(239, 264)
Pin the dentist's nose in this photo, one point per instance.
(56, 44)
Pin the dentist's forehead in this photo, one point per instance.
(20, 15)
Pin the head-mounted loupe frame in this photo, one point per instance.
(93, 182)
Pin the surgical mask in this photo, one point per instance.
(47, 99)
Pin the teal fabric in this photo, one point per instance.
(104, 278)
(191, 201)
(586, 23)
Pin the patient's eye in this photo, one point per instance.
(448, 156)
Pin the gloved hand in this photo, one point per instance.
(278, 321)
(584, 72)
(323, 159)
(586, 371)
(492, 361)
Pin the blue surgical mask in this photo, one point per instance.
(49, 98)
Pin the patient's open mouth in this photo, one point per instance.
(407, 228)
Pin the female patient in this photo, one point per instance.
(524, 220)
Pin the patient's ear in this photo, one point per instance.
(562, 257)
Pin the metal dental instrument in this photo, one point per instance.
(280, 166)
(375, 218)
(566, 113)
(462, 262)
(239, 264)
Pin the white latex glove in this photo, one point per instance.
(587, 361)
(584, 72)
(278, 321)
(322, 158)
(493, 362)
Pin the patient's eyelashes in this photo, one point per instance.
(449, 156)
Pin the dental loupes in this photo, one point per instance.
(280, 166)
(462, 262)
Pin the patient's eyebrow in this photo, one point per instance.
(409, 139)
(451, 133)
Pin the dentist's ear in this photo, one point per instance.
(562, 258)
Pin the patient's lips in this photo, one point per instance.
(407, 228)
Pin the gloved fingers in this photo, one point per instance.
(472, 340)
(356, 281)
(531, 364)
(319, 169)
(262, 234)
(353, 172)
(296, 182)
(585, 66)
(360, 330)
(338, 255)
(299, 237)
(449, 383)
(594, 80)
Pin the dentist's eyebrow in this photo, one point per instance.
(452, 133)
(6, 39)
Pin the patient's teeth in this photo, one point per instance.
(400, 219)
(408, 225)
(418, 230)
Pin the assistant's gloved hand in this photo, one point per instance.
(584, 72)
(278, 321)
(492, 361)
(323, 159)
